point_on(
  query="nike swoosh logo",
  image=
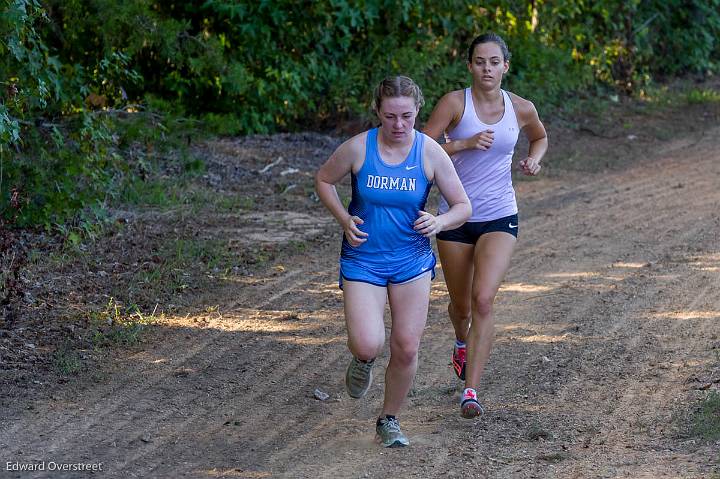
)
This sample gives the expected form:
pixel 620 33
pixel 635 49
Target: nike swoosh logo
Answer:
pixel 411 167
pixel 512 225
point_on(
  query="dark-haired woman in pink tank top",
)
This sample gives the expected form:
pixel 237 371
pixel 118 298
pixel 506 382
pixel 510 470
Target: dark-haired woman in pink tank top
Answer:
pixel 481 125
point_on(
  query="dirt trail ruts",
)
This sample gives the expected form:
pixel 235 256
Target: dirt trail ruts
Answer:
pixel 606 320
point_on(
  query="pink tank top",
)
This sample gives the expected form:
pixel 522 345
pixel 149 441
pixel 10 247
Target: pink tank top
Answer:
pixel 486 175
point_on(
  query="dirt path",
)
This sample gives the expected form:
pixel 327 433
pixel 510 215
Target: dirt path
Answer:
pixel 607 326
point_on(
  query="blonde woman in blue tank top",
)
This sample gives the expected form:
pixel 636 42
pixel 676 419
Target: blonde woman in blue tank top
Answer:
pixel 481 125
pixel 386 252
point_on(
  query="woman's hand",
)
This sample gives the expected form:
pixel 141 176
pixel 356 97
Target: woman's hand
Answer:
pixel 530 166
pixel 481 141
pixel 427 224
pixel 352 233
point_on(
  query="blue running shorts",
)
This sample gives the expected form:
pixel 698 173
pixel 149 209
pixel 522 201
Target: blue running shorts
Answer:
pixel 382 271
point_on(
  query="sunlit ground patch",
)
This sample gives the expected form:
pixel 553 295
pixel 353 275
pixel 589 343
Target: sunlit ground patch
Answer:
pixel 622 264
pixel 527 288
pixel 281 226
pixel 685 315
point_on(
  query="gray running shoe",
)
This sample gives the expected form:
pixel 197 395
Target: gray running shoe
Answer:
pixel 388 428
pixel 358 377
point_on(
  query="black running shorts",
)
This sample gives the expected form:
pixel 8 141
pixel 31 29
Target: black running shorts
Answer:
pixel 471 231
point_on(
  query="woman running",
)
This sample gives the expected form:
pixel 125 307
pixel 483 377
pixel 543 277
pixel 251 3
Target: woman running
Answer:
pixel 386 250
pixel 481 125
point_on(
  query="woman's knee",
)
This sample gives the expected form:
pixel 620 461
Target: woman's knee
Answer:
pixel 405 351
pixel 482 303
pixel 365 348
pixel 459 311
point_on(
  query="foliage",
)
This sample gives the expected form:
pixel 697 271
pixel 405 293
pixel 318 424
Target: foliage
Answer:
pixel 54 151
pixel 72 71
pixel 706 422
pixel 678 36
pixel 66 361
pixel 629 42
pixel 118 325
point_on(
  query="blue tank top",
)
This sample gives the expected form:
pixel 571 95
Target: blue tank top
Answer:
pixel 388 198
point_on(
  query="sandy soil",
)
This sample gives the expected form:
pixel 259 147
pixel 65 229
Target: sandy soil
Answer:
pixel 607 336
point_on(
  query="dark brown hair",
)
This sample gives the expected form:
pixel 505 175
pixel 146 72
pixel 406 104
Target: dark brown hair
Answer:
pixel 489 37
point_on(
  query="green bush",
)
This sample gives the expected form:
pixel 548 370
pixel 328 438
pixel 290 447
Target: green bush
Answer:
pixel 70 69
pixel 54 151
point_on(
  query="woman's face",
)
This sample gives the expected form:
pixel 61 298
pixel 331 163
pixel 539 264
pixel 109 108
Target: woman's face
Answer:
pixel 397 118
pixel 488 65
